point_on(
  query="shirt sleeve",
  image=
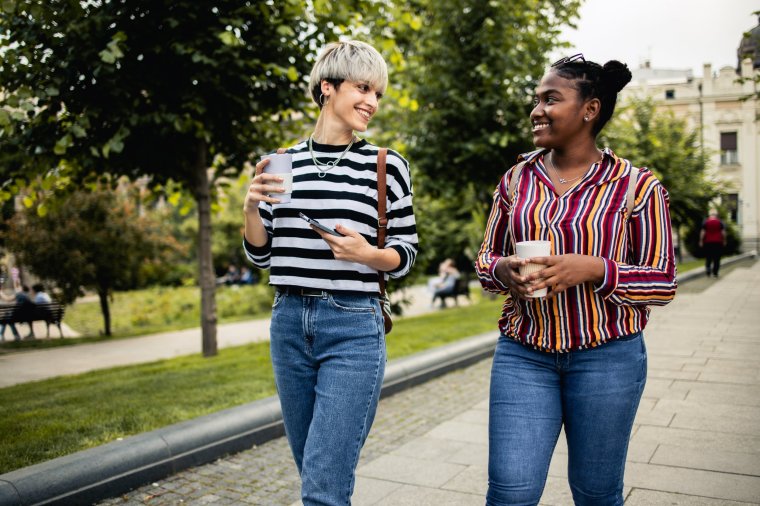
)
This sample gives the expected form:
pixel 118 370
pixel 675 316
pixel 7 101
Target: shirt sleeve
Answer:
pixel 260 256
pixel 402 227
pixel 496 240
pixel 650 277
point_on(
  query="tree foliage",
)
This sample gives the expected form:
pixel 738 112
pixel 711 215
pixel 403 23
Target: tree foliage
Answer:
pixel 90 240
pixel 666 144
pixel 466 71
pixel 166 88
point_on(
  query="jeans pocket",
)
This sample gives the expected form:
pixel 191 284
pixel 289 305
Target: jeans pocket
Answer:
pixel 278 298
pixel 352 303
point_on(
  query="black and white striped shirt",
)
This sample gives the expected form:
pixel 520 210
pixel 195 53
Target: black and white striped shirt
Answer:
pixel 347 194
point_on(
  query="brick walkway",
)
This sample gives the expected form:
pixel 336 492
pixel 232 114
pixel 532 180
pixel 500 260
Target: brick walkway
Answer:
pixel 696 437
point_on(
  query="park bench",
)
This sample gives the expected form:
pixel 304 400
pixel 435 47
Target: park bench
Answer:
pixel 461 287
pixel 51 312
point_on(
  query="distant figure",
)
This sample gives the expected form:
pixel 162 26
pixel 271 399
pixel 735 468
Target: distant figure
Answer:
pixel 444 284
pixel 39 295
pixel 24 304
pixel 712 238
pixel 247 276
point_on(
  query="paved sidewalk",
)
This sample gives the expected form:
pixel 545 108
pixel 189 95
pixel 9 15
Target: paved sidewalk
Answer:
pixel 36 365
pixel 696 438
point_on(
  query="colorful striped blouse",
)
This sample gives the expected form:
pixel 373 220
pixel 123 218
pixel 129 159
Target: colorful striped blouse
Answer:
pixel 589 219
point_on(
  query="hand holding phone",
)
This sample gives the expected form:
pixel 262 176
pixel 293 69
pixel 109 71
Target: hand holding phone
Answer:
pixel 320 226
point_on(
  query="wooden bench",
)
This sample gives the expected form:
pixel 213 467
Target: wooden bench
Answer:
pixel 461 287
pixel 51 312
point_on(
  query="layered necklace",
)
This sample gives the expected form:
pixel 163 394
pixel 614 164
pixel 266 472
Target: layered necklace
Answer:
pixel 323 167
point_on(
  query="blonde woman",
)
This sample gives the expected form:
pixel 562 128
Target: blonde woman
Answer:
pixel 327 334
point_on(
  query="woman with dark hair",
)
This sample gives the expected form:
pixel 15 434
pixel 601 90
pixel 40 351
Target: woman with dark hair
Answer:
pixel 327 331
pixel 575 358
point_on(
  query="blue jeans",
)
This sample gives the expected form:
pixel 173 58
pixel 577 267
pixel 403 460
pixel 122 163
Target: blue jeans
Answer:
pixel 328 354
pixel 595 393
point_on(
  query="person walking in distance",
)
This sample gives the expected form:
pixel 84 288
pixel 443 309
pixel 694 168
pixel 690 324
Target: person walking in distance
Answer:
pixel 712 238
pixel 327 330
pixel 575 358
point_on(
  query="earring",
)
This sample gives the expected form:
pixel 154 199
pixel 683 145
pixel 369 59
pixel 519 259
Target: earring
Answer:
pixel 322 100
pixel 585 118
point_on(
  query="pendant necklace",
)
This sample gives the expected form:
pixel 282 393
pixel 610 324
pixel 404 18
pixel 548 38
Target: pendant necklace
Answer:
pixel 562 180
pixel 323 167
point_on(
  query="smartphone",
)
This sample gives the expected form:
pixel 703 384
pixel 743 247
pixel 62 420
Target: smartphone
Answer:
pixel 319 225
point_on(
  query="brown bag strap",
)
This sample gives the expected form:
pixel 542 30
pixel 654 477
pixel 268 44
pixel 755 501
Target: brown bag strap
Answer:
pixel 382 221
pixel 515 178
pixel 631 195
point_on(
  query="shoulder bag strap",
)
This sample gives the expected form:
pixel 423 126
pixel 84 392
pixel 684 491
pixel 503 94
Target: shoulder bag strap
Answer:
pixel 631 196
pixel 515 177
pixel 382 221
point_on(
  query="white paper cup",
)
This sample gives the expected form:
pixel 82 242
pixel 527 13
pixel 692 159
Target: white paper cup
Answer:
pixel 530 249
pixel 282 165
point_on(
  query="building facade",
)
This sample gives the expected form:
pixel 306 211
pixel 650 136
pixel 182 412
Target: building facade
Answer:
pixel 724 107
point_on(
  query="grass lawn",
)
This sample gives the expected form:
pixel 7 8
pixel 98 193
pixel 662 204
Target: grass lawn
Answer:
pixel 46 419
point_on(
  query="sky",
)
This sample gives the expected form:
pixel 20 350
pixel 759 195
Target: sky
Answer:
pixel 671 34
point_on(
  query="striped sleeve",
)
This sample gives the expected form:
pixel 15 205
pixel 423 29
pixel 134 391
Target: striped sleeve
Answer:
pixel 649 278
pixel 260 256
pixel 496 243
pixel 402 228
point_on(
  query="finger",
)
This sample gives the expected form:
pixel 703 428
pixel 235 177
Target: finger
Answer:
pixel 260 166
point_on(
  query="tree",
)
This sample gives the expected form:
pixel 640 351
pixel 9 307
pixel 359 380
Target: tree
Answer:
pixel 166 88
pixel 665 144
pixel 464 89
pixel 88 240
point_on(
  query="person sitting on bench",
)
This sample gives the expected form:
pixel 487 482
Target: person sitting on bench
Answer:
pixel 445 283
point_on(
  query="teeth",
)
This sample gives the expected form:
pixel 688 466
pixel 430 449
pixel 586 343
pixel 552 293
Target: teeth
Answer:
pixel 364 114
pixel 540 126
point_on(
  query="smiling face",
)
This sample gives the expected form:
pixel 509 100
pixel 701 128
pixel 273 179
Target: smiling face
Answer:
pixel 558 113
pixel 352 104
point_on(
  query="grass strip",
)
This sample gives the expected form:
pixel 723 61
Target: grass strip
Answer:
pixel 50 418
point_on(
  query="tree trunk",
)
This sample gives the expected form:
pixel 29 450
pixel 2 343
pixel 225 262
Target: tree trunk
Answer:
pixel 105 309
pixel 206 276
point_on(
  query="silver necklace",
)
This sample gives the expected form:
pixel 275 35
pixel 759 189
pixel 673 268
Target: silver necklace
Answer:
pixel 323 167
pixel 562 180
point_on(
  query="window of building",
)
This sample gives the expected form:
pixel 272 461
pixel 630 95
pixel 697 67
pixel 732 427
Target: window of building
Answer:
pixel 729 155
pixel 670 94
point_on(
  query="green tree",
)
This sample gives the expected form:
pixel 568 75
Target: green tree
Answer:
pixel 665 144
pixel 465 85
pixel 91 240
pixel 166 88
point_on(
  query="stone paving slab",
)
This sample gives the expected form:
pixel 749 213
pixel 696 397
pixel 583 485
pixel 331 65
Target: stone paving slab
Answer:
pixel 696 438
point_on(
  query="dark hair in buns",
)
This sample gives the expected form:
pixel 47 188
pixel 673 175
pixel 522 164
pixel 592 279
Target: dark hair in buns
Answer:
pixel 596 81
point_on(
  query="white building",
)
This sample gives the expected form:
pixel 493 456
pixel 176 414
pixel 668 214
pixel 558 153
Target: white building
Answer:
pixel 726 112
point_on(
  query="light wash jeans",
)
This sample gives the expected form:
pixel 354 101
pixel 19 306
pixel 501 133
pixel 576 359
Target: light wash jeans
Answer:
pixel 595 393
pixel 328 354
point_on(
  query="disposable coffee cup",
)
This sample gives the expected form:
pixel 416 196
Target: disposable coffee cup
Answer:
pixel 282 165
pixel 531 249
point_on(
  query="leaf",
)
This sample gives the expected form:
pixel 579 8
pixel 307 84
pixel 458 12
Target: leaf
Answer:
pixel 42 210
pixel 9 6
pixel 62 145
pixel 285 31
pixel 5 118
pixel 292 74
pixel 229 39
pixel 28 201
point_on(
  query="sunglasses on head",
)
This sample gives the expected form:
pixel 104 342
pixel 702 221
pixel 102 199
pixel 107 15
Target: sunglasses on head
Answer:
pixel 568 59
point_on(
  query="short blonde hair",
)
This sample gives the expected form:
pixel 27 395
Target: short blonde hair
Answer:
pixel 348 61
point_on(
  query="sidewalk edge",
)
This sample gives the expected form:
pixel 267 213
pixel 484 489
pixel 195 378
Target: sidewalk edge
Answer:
pixel 113 468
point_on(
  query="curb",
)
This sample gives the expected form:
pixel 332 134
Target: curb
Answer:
pixel 700 273
pixel 113 468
